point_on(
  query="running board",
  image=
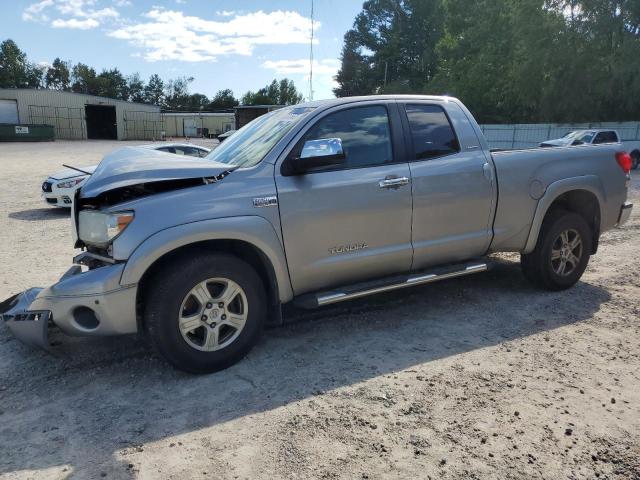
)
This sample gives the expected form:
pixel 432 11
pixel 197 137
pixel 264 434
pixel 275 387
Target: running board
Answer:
pixel 314 300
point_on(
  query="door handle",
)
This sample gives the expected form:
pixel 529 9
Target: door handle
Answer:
pixel 394 182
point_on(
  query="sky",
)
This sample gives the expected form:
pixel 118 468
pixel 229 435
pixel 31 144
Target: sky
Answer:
pixel 238 44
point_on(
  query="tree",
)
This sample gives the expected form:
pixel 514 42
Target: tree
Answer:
pixel 84 79
pixel 112 84
pixel 58 76
pixel 176 93
pixel 223 100
pixel 135 88
pixel 196 102
pixel 354 77
pixel 15 70
pixel 283 92
pixel 391 47
pixel 509 61
pixel 154 91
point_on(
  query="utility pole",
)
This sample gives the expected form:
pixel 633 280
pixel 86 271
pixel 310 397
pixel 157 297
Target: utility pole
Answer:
pixel 386 64
pixel 311 58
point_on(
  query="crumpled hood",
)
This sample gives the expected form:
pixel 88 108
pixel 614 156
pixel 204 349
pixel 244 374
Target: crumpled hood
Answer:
pixel 70 173
pixel 134 165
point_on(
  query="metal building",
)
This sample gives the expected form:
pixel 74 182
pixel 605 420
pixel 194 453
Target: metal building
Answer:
pixel 77 116
pixel 197 124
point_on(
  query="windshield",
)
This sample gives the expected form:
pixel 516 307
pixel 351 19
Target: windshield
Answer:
pixel 249 145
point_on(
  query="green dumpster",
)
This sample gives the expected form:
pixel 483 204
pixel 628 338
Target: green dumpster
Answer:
pixel 10 132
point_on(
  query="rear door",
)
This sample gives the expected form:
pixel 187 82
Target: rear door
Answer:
pixel 351 222
pixel 453 184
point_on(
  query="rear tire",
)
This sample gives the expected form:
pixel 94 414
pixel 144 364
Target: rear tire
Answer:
pixel 204 311
pixel 562 252
pixel 635 160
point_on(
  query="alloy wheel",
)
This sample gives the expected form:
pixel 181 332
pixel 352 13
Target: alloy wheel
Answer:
pixel 566 252
pixel 212 314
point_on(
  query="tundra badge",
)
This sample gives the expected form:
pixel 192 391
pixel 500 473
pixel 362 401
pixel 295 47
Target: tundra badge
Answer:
pixel 347 248
pixel 260 202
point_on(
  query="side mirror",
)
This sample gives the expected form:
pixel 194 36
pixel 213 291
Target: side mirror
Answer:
pixel 326 152
pixel 578 142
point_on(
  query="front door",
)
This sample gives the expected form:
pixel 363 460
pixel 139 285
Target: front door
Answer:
pixel 454 188
pixel 351 222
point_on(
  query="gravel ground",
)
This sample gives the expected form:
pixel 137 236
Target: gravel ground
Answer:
pixel 482 377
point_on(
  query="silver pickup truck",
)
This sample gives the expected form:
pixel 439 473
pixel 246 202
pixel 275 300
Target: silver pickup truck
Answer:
pixel 315 203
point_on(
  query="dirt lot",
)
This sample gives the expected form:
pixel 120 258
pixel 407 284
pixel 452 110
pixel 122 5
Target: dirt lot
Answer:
pixel 482 377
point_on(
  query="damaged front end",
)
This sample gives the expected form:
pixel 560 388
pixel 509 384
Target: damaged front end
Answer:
pixel 28 326
pixel 89 299
pixel 28 316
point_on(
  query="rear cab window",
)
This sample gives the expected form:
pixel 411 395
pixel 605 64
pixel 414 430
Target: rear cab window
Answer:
pixel 432 134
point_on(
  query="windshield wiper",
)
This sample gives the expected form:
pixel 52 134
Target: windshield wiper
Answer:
pixel 76 169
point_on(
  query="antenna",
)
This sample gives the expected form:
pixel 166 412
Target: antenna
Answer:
pixel 311 58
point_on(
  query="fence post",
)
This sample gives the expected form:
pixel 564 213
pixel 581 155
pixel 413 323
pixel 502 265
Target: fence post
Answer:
pixel 513 137
pixel 637 131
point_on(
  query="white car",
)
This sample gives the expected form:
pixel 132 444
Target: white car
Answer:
pixel 58 190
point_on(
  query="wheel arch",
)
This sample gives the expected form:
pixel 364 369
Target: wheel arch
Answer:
pixel 582 195
pixel 253 239
pixel 241 249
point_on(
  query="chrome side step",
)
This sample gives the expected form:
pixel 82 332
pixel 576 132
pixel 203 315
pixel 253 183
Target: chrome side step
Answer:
pixel 350 293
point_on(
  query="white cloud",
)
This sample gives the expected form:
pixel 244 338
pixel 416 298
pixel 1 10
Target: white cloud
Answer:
pixel 74 23
pixel 78 14
pixel 225 13
pixel 172 35
pixel 35 10
pixel 328 66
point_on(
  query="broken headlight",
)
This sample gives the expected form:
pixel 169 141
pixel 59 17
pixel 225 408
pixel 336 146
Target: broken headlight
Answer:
pixel 100 228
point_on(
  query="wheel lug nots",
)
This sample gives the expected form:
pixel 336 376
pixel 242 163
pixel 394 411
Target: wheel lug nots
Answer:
pixel 223 317
pixel 203 318
pixel 221 305
pixel 209 305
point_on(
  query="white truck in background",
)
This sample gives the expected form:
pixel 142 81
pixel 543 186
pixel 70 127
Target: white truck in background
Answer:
pixel 597 137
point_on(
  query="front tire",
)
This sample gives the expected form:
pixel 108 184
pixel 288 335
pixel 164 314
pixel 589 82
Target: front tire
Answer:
pixel 562 252
pixel 204 311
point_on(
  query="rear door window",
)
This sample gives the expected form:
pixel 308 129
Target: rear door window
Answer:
pixel 431 132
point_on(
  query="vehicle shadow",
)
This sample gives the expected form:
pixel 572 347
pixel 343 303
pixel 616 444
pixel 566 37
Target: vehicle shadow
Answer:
pixel 105 397
pixel 38 214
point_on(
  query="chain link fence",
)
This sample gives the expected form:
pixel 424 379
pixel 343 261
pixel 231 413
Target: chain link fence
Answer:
pixel 68 122
pixel 142 125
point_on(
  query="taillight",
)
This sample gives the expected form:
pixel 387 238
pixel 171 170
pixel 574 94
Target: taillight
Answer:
pixel 624 160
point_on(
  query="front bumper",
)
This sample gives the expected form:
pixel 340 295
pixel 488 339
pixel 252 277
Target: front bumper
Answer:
pixel 625 213
pixel 91 303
